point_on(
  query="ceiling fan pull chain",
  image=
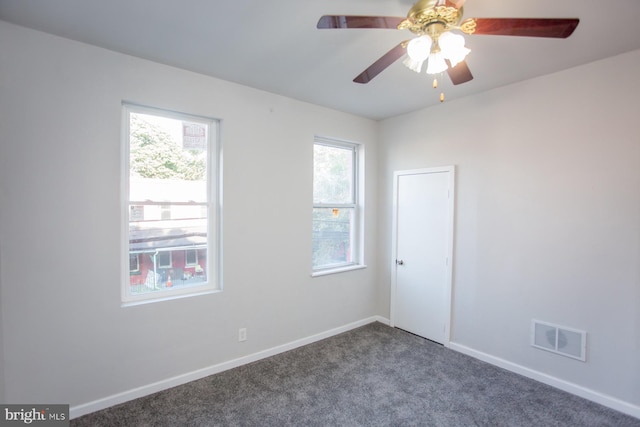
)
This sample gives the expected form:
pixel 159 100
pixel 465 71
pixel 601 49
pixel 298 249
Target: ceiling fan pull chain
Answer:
pixel 435 86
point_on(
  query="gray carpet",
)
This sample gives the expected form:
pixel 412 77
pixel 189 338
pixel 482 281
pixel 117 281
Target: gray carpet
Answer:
pixel 371 376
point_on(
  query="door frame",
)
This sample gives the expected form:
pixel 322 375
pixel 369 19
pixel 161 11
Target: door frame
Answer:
pixel 449 240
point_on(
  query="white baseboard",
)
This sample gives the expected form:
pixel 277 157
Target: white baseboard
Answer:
pixel 96 405
pixel 594 396
pixel 125 396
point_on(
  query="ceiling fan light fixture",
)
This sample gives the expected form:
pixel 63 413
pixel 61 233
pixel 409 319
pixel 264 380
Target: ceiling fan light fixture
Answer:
pixel 436 49
pixel 419 48
pixel 452 47
pixel 436 64
pixel 458 56
pixel 413 65
pixel 417 52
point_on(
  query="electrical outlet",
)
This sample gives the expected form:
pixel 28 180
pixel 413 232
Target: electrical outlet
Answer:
pixel 242 334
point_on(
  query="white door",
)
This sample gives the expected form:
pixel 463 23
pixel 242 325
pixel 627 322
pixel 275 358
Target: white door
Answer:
pixel 423 225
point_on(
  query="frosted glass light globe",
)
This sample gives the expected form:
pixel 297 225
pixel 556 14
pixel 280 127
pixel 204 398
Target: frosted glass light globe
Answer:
pixel 418 49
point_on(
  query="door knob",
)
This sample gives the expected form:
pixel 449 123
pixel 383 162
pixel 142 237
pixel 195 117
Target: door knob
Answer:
pixel 399 262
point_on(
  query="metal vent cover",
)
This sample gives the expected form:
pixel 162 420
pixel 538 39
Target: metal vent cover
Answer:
pixel 559 339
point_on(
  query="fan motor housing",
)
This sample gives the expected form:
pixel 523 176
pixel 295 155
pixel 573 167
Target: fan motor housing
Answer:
pixel 426 13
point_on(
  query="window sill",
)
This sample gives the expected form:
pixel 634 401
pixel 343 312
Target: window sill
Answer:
pixel 133 303
pixel 338 270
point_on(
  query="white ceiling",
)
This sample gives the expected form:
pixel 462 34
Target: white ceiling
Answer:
pixel 274 45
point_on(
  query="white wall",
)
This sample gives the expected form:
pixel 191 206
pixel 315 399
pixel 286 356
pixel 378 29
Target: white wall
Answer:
pixel 548 216
pixel 66 337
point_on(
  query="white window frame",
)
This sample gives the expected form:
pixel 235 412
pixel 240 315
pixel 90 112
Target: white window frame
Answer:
pixel 213 281
pixel 357 234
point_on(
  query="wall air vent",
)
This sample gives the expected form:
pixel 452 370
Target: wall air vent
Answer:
pixel 559 339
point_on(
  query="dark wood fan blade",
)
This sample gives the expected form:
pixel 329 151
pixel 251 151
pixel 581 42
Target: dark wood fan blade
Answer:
pixel 454 3
pixel 381 64
pixel 528 27
pixel 460 73
pixel 342 21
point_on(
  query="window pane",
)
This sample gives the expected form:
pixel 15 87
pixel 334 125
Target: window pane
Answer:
pixel 164 259
pixel 134 265
pixel 191 257
pixel 332 231
pixel 333 174
pixel 165 212
pixel 168 202
pixel 163 164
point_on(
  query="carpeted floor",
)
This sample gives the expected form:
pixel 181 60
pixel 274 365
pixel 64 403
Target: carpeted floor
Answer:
pixel 371 376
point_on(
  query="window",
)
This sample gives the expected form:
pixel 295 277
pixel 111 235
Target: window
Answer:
pixel 191 257
pixel 164 259
pixel 134 263
pixel 336 212
pixel 165 212
pixel 170 186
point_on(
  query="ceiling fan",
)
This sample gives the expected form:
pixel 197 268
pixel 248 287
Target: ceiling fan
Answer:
pixel 432 21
